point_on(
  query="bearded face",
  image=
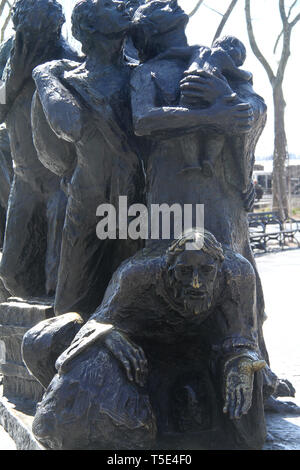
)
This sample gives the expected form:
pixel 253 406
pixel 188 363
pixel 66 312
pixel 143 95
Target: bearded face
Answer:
pixel 192 278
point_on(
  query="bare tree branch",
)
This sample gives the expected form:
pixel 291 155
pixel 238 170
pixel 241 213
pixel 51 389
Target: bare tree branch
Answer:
pixel 286 47
pixel 5 24
pixel 282 11
pixel 257 52
pixel 291 8
pixel 277 41
pixel 285 54
pixel 196 8
pixel 295 20
pixel 225 18
pixel 5 20
pixel 212 9
pixel 287 27
pixel 2 6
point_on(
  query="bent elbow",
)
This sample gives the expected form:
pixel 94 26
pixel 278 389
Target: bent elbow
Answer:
pixel 142 126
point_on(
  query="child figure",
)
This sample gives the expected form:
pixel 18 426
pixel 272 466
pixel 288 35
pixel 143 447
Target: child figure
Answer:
pixel 223 60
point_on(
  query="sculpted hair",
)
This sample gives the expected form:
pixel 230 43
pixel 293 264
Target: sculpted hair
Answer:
pixel 210 245
pixel 49 12
pixel 232 41
pixel 83 23
pixel 144 15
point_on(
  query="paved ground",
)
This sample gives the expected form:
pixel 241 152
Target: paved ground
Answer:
pixel 6 443
pixel 280 273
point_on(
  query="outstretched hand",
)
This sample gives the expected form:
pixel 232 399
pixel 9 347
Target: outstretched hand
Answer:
pixel 131 356
pixel 239 386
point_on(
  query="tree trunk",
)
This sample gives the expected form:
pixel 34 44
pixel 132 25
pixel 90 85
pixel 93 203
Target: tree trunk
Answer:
pixel 280 199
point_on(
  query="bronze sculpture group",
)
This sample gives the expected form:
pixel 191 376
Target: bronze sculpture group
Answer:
pixel 165 345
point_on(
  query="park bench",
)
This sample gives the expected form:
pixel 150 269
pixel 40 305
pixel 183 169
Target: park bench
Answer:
pixel 267 227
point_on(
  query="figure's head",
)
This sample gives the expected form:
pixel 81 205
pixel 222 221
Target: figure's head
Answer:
pixel 156 18
pixel 192 274
pixel 94 18
pixel 234 48
pixel 38 20
pixel 133 5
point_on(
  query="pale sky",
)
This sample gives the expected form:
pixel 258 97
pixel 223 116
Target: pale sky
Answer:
pixel 267 24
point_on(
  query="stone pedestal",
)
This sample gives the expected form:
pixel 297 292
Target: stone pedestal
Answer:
pixel 4 294
pixel 17 424
pixel 16 317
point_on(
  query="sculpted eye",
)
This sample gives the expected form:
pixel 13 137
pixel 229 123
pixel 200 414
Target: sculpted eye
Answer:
pixel 207 269
pixel 185 269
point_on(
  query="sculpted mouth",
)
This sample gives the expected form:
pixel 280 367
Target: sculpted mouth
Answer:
pixel 197 294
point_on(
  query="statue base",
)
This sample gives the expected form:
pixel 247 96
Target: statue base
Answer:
pixel 17 423
pixel 19 392
pixel 17 316
pixel 4 294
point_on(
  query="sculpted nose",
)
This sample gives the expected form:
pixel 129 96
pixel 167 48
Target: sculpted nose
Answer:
pixel 196 282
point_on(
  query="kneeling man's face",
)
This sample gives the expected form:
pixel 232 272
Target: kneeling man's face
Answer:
pixel 193 276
